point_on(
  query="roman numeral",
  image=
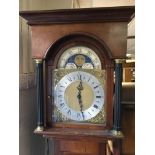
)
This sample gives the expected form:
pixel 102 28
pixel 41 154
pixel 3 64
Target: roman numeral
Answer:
pixel 69 79
pixel 79 50
pixel 69 112
pixel 78 115
pixel 96 87
pixel 62 105
pixel 84 78
pixel 62 86
pixel 70 52
pixel 95 106
pixel 59 95
pixel 92 109
pixel 98 96
pixel 89 113
pixel 79 76
pixel 89 53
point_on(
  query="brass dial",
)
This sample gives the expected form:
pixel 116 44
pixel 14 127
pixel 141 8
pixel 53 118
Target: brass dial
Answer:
pixel 79 96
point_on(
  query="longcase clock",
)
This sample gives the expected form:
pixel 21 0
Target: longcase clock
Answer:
pixel 77 53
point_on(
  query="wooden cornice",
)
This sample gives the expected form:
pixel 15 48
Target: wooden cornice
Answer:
pixel 86 15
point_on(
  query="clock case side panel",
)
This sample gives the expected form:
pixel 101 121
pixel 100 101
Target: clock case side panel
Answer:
pixel 51 62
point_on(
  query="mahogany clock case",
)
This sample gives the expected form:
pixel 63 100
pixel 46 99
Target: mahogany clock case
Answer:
pixel 104 30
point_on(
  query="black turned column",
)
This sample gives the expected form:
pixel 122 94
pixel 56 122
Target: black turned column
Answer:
pixel 40 98
pixel 117 143
pixel 118 96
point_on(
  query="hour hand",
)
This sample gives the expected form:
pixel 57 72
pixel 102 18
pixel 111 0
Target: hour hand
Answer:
pixel 79 96
pixel 80 87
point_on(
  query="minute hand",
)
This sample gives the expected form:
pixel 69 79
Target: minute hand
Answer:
pixel 80 88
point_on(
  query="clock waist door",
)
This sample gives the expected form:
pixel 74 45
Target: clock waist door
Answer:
pixel 67 147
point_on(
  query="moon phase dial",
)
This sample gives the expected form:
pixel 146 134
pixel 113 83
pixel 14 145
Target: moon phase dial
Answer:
pixel 79 57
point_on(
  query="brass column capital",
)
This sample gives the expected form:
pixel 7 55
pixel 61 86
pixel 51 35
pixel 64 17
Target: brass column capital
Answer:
pixel 118 61
pixel 38 61
pixel 117 133
pixel 39 129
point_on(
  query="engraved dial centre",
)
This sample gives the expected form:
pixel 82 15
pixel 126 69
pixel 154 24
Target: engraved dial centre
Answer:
pixel 71 93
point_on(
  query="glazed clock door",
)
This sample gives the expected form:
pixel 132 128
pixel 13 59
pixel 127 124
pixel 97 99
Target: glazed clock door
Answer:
pixel 79 98
pixel 78 148
pixel 79 87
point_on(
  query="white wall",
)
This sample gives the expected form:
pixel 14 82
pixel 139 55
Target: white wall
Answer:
pixel 102 3
pixel 44 4
pixel 108 3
